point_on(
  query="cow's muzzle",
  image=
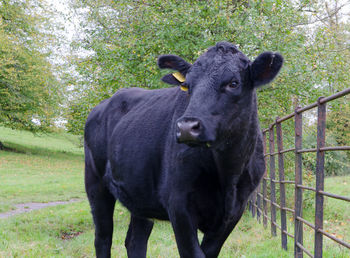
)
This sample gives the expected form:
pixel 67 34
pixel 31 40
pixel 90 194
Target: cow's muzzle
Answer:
pixel 188 130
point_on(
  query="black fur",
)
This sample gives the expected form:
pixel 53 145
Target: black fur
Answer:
pixel 265 67
pixel 173 62
pixel 132 155
pixel 170 79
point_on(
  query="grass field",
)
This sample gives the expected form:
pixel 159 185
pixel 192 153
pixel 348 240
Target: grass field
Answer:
pixel 50 168
pixel 39 168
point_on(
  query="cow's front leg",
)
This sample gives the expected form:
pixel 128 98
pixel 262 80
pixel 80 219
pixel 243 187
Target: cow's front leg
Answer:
pixel 185 229
pixel 213 241
pixel 137 237
pixel 236 200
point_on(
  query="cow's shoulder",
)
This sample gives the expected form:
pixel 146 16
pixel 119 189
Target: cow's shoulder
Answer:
pixel 130 95
pixel 117 105
pixel 125 100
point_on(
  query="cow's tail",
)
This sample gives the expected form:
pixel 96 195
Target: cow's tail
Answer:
pixel 110 183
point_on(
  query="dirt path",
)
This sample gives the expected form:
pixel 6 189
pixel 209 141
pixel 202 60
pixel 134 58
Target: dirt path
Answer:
pixel 30 206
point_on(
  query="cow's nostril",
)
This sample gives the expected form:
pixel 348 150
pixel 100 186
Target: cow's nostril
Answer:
pixel 195 128
pixel 196 125
pixel 188 130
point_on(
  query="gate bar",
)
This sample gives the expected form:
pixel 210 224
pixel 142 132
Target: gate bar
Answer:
pixel 323 100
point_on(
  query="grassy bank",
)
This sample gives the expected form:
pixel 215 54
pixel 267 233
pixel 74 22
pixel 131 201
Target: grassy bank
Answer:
pixel 50 168
pixel 39 168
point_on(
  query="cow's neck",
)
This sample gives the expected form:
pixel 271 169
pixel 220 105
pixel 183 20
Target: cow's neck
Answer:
pixel 231 163
pixel 233 153
pixel 239 140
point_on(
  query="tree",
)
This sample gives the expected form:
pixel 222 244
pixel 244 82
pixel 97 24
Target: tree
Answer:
pixel 127 36
pixel 29 92
pixel 338 123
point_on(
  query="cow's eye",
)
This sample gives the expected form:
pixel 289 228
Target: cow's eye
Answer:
pixel 233 85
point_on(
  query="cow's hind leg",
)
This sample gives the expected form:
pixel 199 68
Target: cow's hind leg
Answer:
pixel 102 208
pixel 137 237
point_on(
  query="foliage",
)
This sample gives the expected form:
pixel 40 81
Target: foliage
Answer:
pixel 336 162
pixel 28 88
pixel 338 122
pixel 127 36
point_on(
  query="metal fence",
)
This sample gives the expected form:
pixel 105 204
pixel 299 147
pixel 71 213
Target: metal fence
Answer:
pixel 259 200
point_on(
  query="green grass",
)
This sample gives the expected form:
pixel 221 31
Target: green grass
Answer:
pixel 50 168
pixel 47 232
pixel 42 144
pixel 39 168
pixel 43 234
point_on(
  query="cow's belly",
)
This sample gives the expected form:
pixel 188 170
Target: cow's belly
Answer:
pixel 136 170
pixel 140 203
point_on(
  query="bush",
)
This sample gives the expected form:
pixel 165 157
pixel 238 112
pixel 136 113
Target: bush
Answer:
pixel 336 162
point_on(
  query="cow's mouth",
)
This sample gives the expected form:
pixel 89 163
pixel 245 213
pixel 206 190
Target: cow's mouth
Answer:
pixel 191 143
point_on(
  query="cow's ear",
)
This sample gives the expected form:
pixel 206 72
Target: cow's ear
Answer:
pixel 170 79
pixel 173 62
pixel 265 68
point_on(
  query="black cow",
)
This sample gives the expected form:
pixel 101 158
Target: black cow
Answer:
pixel 191 154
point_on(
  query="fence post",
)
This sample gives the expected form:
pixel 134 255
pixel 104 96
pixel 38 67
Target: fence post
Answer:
pixel 282 186
pixel 250 205
pixel 253 200
pixel 298 204
pixel 321 134
pixel 258 203
pixel 272 178
pixel 264 184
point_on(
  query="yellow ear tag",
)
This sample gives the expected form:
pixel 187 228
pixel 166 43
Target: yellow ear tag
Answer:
pixel 183 88
pixel 179 77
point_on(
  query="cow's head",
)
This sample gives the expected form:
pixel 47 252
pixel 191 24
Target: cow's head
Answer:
pixel 220 86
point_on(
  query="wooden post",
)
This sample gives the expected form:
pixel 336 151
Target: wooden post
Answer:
pixel 272 178
pixel 298 204
pixel 264 186
pixel 253 201
pixel 258 203
pixel 282 186
pixel 321 135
